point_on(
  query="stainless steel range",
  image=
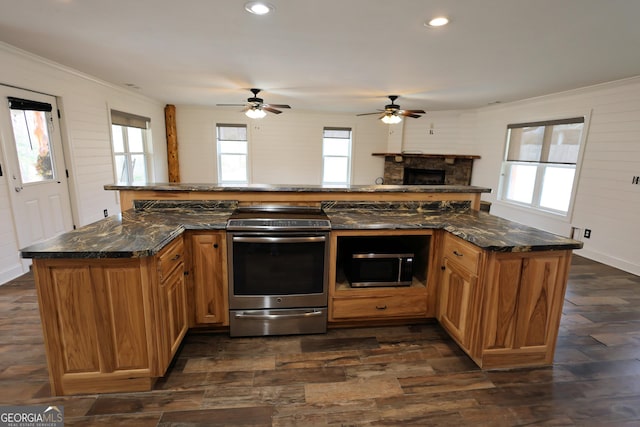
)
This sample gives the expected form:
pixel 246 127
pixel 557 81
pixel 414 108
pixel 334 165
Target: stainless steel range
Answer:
pixel 278 270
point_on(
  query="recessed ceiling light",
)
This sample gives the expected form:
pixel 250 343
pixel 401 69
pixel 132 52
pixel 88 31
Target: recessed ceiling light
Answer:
pixel 439 21
pixel 258 7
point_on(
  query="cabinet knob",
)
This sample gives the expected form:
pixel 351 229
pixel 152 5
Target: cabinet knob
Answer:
pixel 215 245
pixel 443 268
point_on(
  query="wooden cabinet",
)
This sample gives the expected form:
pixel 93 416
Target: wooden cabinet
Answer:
pixel 458 291
pixel 208 276
pixel 172 313
pixel 379 303
pixel 110 325
pixel 459 294
pixel 523 307
pixel 503 309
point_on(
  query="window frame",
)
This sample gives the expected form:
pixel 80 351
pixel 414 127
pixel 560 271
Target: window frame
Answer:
pixel 541 167
pixel 348 157
pixel 125 121
pixel 219 153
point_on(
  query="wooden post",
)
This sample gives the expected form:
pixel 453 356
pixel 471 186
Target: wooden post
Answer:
pixel 172 142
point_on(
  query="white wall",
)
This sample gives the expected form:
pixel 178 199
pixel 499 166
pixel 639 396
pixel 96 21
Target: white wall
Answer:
pixel 606 201
pixel 85 103
pixel 441 132
pixel 284 149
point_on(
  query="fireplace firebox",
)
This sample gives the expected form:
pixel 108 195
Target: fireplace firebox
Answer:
pixel 414 176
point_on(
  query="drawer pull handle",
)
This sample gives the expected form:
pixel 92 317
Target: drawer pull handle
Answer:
pixel 175 257
pixel 381 307
pixel 456 253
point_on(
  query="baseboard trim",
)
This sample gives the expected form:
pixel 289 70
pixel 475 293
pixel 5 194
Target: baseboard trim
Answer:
pixel 12 273
pixel 611 261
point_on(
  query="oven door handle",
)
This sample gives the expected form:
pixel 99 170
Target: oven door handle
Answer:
pixel 278 316
pixel 269 239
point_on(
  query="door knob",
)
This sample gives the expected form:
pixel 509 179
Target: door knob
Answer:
pixel 18 189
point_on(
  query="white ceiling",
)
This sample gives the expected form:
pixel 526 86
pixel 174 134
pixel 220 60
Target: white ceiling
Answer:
pixel 335 55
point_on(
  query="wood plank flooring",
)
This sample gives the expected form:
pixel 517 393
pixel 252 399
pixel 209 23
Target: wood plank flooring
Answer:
pixel 382 376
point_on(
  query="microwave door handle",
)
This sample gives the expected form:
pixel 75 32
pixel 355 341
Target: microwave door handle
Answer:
pixel 400 260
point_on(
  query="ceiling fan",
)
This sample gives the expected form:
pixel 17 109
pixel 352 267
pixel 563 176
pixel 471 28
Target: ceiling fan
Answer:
pixel 255 107
pixel 393 114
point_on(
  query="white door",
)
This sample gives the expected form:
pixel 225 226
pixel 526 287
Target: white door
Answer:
pixel 35 167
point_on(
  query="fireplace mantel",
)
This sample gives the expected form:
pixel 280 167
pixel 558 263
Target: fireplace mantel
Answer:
pixel 428 156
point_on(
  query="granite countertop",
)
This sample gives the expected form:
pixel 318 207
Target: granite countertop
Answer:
pixel 482 229
pixel 194 187
pixel 146 229
pixel 138 232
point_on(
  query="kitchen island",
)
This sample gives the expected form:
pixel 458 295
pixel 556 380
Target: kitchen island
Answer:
pixel 117 296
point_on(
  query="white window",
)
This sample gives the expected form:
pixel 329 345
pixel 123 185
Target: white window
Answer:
pixel 233 158
pixel 130 137
pixel 336 156
pixel 540 164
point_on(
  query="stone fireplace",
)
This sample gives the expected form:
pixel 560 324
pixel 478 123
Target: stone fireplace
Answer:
pixel 427 169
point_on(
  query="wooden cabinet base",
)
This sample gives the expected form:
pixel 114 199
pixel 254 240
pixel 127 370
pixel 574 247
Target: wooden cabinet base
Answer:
pixel 111 325
pixel 120 382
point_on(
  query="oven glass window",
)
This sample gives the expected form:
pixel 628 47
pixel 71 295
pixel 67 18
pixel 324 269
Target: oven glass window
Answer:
pixel 269 268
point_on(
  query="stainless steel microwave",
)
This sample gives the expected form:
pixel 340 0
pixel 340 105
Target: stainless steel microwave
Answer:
pixel 379 269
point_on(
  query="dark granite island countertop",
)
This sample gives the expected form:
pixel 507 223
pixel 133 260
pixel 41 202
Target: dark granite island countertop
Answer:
pixel 273 194
pixel 135 233
pixel 486 231
pixel 261 188
pixel 153 224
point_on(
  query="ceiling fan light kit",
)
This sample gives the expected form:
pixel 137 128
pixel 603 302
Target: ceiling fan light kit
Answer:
pixel 391 119
pixel 255 113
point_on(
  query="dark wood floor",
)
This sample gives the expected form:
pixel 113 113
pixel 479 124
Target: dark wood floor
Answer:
pixel 384 376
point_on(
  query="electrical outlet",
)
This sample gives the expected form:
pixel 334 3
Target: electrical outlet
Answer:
pixel 106 213
pixel 587 233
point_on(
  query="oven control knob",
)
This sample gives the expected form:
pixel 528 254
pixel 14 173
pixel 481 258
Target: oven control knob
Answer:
pixel 278 300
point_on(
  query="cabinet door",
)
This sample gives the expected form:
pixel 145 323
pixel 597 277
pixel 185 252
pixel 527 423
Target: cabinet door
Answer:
pixel 523 308
pixel 96 319
pixel 523 293
pixel 174 315
pixel 209 267
pixel 457 293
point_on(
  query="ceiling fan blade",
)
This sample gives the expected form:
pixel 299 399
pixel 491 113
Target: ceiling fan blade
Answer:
pixel 408 113
pixel 277 105
pixel 271 110
pixel 368 114
pixel 231 105
pixel 415 111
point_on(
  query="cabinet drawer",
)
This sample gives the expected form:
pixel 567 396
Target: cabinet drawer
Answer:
pixel 379 307
pixel 170 257
pixel 461 252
